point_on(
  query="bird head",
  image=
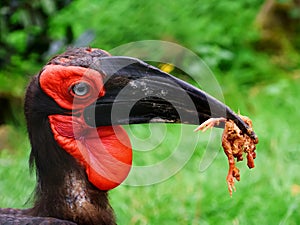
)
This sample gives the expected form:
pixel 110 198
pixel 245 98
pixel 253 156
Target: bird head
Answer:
pixel 80 99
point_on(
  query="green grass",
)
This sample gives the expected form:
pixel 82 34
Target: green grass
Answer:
pixel 266 194
pixel 16 183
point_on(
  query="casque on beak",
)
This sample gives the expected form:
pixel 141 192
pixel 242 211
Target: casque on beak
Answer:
pixel 136 93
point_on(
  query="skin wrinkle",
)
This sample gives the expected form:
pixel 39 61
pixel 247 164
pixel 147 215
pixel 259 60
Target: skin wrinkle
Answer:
pixel 106 165
pixel 56 81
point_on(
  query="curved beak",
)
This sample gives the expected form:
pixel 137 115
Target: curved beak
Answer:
pixel 136 92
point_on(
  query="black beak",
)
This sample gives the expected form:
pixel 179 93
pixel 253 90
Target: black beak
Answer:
pixel 140 93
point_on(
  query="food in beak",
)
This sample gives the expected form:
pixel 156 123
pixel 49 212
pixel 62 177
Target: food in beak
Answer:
pixel 235 143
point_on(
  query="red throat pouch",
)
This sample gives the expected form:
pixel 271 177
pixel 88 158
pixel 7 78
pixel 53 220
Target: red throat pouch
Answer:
pixel 105 152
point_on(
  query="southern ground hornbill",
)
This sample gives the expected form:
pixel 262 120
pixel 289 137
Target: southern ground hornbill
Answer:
pixel 74 108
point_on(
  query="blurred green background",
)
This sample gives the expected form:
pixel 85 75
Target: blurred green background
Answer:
pixel 251 46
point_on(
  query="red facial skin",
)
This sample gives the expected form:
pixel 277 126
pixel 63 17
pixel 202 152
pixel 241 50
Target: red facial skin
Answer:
pixel 104 152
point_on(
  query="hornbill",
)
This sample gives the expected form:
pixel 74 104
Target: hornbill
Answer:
pixel 74 110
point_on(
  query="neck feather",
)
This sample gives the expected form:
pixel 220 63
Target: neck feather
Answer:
pixel 75 199
pixel 63 190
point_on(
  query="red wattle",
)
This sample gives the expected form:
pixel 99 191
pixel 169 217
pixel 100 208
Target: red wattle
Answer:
pixel 105 152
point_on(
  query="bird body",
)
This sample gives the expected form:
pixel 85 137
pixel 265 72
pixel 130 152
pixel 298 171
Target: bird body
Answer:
pixel 10 216
pixel 78 147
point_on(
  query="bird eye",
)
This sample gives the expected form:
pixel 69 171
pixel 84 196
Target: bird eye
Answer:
pixel 81 89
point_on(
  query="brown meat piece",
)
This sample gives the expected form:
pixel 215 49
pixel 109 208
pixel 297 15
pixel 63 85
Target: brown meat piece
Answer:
pixel 235 143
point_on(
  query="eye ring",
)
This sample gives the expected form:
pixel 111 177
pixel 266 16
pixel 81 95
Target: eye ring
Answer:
pixel 81 89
